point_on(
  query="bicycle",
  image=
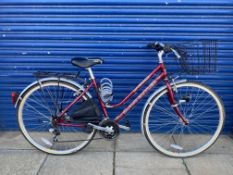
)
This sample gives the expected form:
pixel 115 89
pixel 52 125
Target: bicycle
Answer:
pixel 58 115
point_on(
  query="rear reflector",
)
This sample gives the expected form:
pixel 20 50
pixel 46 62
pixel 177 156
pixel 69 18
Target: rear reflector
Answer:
pixel 14 96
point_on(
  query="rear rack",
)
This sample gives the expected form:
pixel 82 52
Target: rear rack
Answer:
pixel 72 76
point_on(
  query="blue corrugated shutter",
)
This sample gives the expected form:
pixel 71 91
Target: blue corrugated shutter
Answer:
pixel 44 35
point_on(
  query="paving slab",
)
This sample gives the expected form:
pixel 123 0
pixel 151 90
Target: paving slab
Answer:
pixel 20 162
pixel 134 155
pixel 83 163
pixel 135 142
pixel 14 140
pixel 210 164
pixel 224 145
pixel 138 163
pixel 100 145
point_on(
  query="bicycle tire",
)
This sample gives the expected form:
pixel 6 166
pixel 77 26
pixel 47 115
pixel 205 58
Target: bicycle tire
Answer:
pixel 176 147
pixel 27 131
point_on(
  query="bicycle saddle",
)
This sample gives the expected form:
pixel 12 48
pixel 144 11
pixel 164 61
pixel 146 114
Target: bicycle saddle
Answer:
pixel 84 62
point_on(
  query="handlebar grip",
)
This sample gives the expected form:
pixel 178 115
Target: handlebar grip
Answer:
pixel 157 46
pixel 165 47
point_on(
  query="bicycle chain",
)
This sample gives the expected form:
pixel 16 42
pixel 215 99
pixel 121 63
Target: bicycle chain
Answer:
pixel 79 140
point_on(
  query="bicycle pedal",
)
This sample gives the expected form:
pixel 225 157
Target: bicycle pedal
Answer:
pixel 127 123
pixel 126 128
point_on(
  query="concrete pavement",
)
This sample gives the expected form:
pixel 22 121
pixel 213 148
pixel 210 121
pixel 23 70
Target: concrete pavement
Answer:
pixel 129 154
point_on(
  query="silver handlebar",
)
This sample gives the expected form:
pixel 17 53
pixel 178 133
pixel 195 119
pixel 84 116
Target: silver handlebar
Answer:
pixel 159 47
pixel 176 53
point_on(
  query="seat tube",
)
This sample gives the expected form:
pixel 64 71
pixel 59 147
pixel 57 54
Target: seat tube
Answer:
pixel 90 73
pixel 92 77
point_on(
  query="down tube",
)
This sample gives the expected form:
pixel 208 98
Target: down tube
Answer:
pixel 158 68
pixel 141 95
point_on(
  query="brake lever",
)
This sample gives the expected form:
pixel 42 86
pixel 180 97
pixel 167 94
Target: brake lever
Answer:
pixel 176 53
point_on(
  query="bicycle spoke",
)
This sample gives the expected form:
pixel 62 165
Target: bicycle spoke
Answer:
pixel 36 111
pixel 38 119
pixel 162 110
pixel 167 133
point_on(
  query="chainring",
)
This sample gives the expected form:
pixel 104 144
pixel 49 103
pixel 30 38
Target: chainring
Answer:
pixel 111 125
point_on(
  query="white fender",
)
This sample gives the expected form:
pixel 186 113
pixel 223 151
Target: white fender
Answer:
pixel 154 94
pixel 47 79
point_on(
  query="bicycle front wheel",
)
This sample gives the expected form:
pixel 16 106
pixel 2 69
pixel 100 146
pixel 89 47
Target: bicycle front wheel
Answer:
pixel 167 133
pixel 38 111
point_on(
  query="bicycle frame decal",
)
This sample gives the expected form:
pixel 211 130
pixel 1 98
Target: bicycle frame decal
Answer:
pixel 158 68
pixel 162 75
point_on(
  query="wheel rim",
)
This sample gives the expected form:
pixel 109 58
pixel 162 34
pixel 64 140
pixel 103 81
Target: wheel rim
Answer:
pixel 35 119
pixel 169 135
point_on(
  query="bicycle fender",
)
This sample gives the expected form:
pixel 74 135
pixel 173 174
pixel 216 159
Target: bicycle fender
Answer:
pixel 40 81
pixel 153 95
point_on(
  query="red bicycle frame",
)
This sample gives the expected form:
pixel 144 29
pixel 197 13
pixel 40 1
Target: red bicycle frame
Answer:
pixel 162 76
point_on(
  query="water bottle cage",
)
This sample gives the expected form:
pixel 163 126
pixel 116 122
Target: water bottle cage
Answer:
pixel 106 90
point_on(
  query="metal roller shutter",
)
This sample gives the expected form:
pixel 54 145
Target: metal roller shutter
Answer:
pixel 44 35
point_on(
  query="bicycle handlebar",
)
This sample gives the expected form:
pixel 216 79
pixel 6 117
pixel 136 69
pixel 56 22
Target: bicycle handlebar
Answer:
pixel 158 46
pixel 176 53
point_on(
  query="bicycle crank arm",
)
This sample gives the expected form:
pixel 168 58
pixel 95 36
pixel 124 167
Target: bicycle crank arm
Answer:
pixel 99 128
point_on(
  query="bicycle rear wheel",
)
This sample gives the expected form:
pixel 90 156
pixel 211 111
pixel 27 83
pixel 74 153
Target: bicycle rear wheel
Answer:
pixel 166 132
pixel 37 110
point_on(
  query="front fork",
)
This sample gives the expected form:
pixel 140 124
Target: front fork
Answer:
pixel 173 102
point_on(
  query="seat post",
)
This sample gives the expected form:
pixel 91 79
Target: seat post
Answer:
pixel 90 73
